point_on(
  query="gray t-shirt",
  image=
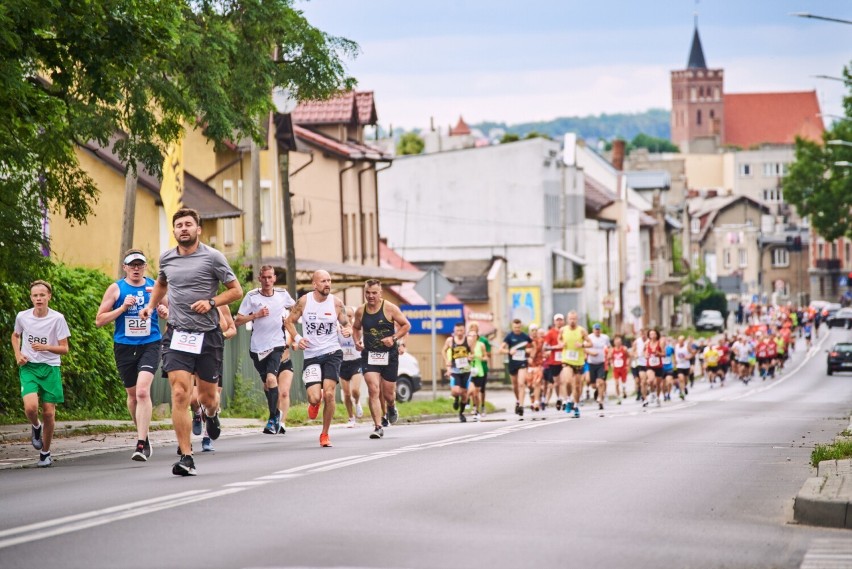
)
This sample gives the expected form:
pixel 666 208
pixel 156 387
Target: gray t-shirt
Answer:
pixel 192 278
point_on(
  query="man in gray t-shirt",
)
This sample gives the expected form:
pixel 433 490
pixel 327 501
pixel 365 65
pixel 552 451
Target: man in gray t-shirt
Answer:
pixel 193 344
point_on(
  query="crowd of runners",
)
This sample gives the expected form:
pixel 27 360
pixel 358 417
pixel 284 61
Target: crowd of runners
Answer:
pixel 564 365
pixel 569 366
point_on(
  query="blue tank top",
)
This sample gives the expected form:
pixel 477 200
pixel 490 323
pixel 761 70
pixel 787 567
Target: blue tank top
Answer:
pixel 668 364
pixel 129 328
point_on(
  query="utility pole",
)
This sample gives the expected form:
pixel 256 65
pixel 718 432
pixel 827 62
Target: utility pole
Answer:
pixel 130 181
pixel 255 213
pixel 284 173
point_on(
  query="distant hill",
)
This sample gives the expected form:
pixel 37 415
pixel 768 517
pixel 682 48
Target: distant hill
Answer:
pixel 654 122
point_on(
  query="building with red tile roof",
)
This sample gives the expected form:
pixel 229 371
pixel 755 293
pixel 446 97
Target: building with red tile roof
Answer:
pixel 461 128
pixel 752 119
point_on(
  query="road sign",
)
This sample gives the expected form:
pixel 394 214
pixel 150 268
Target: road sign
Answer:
pixel 420 317
pixel 609 302
pixel 636 311
pixel 443 287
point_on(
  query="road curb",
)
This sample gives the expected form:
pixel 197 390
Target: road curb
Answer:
pixel 826 500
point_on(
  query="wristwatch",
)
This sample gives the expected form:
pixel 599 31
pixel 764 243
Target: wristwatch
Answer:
pixel 212 302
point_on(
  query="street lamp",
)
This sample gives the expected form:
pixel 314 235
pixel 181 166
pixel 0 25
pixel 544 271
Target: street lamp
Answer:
pixel 825 18
pixel 839 143
pixel 831 77
pixel 285 103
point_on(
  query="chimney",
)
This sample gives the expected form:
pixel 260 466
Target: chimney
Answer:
pixel 618 154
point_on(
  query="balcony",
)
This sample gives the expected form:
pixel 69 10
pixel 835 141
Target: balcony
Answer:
pixel 828 264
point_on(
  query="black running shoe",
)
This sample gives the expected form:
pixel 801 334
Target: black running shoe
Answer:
pixel 462 418
pixel 139 455
pixel 214 428
pixel 393 415
pixel 559 405
pixel 377 433
pixel 147 449
pixel 196 423
pixel 518 409
pixel 521 412
pixel 184 467
pixel 385 422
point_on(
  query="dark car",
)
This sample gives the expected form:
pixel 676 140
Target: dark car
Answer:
pixel 840 319
pixel 839 358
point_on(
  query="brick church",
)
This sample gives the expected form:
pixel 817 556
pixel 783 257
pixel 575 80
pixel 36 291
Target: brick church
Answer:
pixel 705 118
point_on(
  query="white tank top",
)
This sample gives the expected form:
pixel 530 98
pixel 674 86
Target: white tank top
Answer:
pixel 319 326
pixel 348 347
pixel 641 359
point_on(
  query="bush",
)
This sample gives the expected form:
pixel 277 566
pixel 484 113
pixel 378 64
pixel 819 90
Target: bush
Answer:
pixel 89 376
pixel 713 300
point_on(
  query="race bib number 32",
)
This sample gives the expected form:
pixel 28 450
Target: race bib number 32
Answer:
pixel 189 342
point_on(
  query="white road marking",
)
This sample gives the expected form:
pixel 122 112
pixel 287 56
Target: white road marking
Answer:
pixel 828 553
pixel 247 483
pixel 95 518
pixel 315 464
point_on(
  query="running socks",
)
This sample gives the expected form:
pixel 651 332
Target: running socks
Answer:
pixel 272 401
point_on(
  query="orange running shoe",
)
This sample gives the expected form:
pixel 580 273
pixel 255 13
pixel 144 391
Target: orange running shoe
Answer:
pixel 324 442
pixel 313 411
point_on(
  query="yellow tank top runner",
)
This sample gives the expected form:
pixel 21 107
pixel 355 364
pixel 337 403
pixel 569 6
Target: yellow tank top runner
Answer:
pixel 571 353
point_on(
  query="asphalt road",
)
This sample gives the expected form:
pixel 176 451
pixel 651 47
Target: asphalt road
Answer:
pixel 704 483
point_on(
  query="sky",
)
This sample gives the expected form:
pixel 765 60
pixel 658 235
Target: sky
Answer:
pixel 529 60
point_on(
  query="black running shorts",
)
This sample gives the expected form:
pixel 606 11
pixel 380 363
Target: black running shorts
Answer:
pixel 207 365
pixel 271 364
pixel 329 364
pixel 131 359
pixel 349 368
pixel 388 372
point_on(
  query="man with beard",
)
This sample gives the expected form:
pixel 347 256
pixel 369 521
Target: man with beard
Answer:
pixel 321 314
pixel 193 344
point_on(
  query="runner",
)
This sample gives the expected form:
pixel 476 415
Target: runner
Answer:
pixel 477 372
pixel 266 308
pixel 535 371
pixel 378 326
pixel 553 363
pixel 574 341
pixel 190 274
pixel 136 342
pixel 321 315
pixel 668 368
pixel 618 357
pixel 515 344
pixel 486 358
pixel 683 355
pixel 640 368
pixel 39 340
pixel 457 361
pixel 654 351
pixel 596 358
pixel 350 375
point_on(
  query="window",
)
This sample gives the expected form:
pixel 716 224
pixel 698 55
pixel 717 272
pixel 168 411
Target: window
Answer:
pixel 717 94
pixel 727 261
pixel 848 257
pixel 820 251
pixel 698 116
pixel 743 257
pixel 834 249
pixel 266 211
pixel 773 195
pixel 780 257
pixel 228 223
pixel 695 225
pixel 745 170
pixel 774 169
pixel 693 94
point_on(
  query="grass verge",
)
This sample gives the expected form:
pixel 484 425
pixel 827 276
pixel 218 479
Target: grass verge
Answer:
pixel 838 450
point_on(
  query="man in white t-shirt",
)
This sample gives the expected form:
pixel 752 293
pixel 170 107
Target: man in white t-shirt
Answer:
pixel 40 338
pixel 266 308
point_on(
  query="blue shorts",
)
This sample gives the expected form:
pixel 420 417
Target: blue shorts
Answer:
pixel 460 380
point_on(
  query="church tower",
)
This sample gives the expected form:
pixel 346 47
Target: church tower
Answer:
pixel 697 100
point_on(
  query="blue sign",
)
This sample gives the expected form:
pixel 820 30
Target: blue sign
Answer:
pixel 420 316
pixel 844 281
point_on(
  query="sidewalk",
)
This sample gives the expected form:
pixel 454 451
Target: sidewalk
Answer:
pixel 826 499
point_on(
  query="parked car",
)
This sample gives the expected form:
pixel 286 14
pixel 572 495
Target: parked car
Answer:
pixel 841 319
pixel 839 358
pixel 408 380
pixel 710 320
pixel 830 310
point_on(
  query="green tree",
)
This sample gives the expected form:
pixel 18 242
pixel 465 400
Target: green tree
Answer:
pixel 74 71
pixel 700 293
pixel 652 143
pixel 410 143
pixel 819 182
pixel 510 137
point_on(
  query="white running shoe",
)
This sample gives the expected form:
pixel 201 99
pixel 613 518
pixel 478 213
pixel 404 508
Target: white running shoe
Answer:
pixel 351 423
pixel 359 411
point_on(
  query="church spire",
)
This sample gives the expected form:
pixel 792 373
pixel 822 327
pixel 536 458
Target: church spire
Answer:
pixel 696 53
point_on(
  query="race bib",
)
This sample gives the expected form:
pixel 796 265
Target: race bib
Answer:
pixel 653 361
pixel 462 363
pixel 137 327
pixel 263 354
pixel 378 358
pixel 348 352
pixel 557 356
pixel 667 361
pixel 520 355
pixel 312 374
pixel 189 342
pixel 618 362
pixel 572 356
